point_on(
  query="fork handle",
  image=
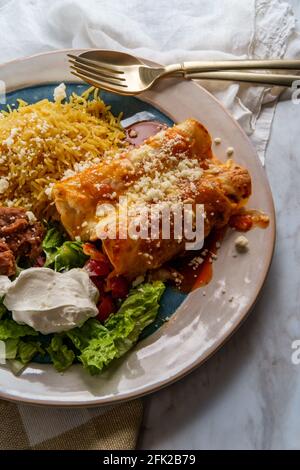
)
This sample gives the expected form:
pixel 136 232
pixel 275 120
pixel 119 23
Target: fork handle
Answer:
pixel 259 78
pixel 200 66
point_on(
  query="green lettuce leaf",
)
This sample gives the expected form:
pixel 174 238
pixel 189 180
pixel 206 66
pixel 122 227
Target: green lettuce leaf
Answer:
pixel 82 336
pixel 61 356
pixel 137 311
pixel 99 353
pixel 100 344
pixel 53 240
pixel 3 309
pixel 62 255
pixel 9 329
pixel 11 348
pixel 95 343
pixel 20 350
pixel 27 350
pixel 69 255
pixel 16 366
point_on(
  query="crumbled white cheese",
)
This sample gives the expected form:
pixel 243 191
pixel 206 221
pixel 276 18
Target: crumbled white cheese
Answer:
pixel 81 166
pixel 242 244
pixel 43 127
pixel 165 185
pixel 4 185
pixel 218 141
pixel 230 151
pixel 132 133
pixel 68 173
pixel 10 203
pixel 14 132
pixel 48 190
pixel 59 93
pixel 9 141
pixel 195 262
pixel 31 217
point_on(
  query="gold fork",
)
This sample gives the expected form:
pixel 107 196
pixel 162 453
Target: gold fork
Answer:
pixel 127 75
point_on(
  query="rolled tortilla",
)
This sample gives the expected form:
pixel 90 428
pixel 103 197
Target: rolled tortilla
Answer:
pixel 176 166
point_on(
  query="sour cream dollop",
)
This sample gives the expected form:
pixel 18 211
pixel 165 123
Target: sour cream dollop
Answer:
pixel 4 284
pixel 51 302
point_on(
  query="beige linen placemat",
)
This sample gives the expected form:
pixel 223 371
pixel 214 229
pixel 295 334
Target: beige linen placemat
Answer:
pixel 29 427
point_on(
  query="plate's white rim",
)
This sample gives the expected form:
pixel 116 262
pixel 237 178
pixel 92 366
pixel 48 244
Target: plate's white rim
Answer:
pixel 217 344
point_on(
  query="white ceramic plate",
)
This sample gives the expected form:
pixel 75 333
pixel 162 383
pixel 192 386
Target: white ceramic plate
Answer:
pixel 202 323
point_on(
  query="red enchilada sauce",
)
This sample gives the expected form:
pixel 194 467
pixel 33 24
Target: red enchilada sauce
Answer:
pixel 138 132
pixel 248 219
pixel 196 269
pixel 192 274
pixel 199 274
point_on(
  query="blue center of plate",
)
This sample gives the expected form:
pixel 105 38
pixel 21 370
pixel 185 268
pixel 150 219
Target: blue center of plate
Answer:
pixel 128 106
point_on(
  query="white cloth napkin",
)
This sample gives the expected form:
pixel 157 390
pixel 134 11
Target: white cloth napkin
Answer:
pixel 166 31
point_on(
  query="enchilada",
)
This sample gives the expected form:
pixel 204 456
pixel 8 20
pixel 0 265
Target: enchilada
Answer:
pixel 174 166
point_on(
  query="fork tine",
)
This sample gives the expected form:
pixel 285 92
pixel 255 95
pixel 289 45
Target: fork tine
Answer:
pixel 99 77
pixel 106 85
pixel 100 72
pixel 103 85
pixel 96 63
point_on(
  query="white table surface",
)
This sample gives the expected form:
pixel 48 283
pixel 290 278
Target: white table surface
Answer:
pixel 248 395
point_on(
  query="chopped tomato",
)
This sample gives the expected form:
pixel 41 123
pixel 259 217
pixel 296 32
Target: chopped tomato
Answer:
pixel 98 267
pixel 119 287
pixel 106 306
pixel 98 282
pixel 241 222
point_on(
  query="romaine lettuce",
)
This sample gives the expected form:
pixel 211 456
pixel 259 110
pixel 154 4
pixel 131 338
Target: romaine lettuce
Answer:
pixel 9 329
pixel 16 348
pixel 61 356
pixel 60 254
pixel 11 348
pixel 3 309
pixel 20 350
pixel 53 240
pixel 136 312
pixel 27 350
pixel 100 344
pixel 69 255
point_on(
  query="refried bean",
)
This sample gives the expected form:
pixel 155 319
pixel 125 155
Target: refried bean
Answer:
pixel 18 238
